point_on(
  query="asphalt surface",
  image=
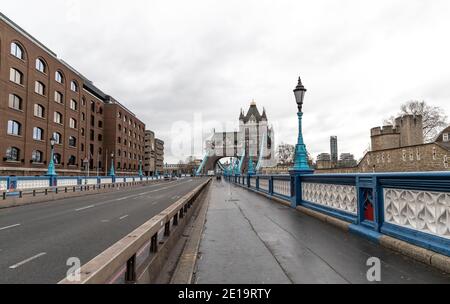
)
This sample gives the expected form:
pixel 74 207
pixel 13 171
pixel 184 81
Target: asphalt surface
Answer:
pixel 37 240
pixel 249 239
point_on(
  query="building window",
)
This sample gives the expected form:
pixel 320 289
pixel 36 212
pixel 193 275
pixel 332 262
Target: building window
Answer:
pixel 72 161
pixel 16 76
pixel 92 135
pixel 83 101
pixel 38 134
pixel 73 105
pixel 119 153
pixel 73 123
pixel 39 111
pixel 119 140
pixel 59 97
pixel 41 66
pixel 119 115
pixel 39 88
pixel 418 154
pixel 82 131
pixel 57 118
pixel 17 51
pixel 82 147
pixel 72 142
pixel 120 127
pixel 92 121
pixel 12 154
pixel 445 161
pixel 59 77
pixel 57 137
pixel 100 110
pixel 404 155
pixel 15 102
pixel 14 128
pixel 37 157
pixel 92 106
pixel 434 153
pixel 100 124
pixel 57 158
pixel 100 137
pixel 445 137
pixel 73 86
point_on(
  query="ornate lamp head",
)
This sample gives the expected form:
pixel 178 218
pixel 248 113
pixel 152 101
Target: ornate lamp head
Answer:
pixel 299 92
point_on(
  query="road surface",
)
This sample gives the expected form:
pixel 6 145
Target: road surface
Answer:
pixel 37 240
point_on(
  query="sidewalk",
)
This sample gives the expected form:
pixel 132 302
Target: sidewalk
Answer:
pixel 249 239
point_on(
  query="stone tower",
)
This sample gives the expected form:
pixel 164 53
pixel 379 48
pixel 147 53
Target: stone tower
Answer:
pixel 411 130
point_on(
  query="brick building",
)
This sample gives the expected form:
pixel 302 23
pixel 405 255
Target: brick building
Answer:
pixel 42 97
pixel 159 149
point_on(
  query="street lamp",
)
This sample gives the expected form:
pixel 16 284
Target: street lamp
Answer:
pixel 112 171
pixel 301 165
pixel 141 174
pixel 51 166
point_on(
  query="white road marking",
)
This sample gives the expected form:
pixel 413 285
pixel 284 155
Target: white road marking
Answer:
pixel 9 227
pixel 123 217
pixel 84 208
pixel 105 221
pixel 27 260
pixel 154 203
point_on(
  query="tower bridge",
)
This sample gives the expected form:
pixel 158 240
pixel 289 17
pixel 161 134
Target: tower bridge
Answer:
pixel 254 142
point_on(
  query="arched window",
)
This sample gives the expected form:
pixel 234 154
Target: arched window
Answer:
pixel 14 128
pixel 82 132
pixel 57 158
pixel 119 153
pixel 15 102
pixel 59 77
pixel 39 88
pixel 12 154
pixel 119 140
pixel 72 142
pixel 17 51
pixel 57 137
pixel 39 111
pixel 58 118
pixel 16 76
pixel 73 105
pixel 73 123
pixel 59 97
pixel 41 66
pixel 72 161
pixel 74 86
pixel 38 134
pixel 37 156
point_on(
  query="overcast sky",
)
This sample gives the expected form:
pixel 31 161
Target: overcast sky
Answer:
pixel 167 60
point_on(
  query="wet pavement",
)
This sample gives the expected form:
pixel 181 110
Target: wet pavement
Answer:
pixel 249 239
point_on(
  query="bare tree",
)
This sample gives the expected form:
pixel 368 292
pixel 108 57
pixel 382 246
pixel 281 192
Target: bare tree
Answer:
pixel 434 118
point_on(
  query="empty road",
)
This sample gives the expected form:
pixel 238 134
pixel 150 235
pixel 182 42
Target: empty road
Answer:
pixel 37 240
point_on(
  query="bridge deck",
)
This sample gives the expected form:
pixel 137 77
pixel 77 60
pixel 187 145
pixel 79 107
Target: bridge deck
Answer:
pixel 250 239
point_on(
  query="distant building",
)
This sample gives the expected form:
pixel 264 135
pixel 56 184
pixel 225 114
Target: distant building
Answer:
pixel 401 148
pixel 347 160
pixel 334 149
pixel 150 153
pixel 159 150
pixel 323 161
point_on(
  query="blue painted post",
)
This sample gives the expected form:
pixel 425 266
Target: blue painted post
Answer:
pixel 257 183
pixel 271 185
pixel 301 166
pixel 141 173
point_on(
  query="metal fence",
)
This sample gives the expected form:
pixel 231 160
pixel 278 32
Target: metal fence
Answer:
pixel 413 207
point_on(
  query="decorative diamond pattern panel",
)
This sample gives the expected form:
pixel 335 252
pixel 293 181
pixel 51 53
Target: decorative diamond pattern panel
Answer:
pixel 427 212
pixel 282 187
pixel 264 184
pixel 33 184
pixel 339 197
pixel 3 185
pixel 67 182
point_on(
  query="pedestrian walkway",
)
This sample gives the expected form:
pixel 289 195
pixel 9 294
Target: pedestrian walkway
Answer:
pixel 249 239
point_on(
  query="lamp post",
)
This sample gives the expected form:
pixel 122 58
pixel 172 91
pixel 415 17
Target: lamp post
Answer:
pixel 301 166
pixel 141 174
pixel 51 173
pixel 51 166
pixel 112 171
pixel 301 155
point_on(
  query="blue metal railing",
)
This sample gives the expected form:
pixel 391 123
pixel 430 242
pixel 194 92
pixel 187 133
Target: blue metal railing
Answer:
pixel 413 207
